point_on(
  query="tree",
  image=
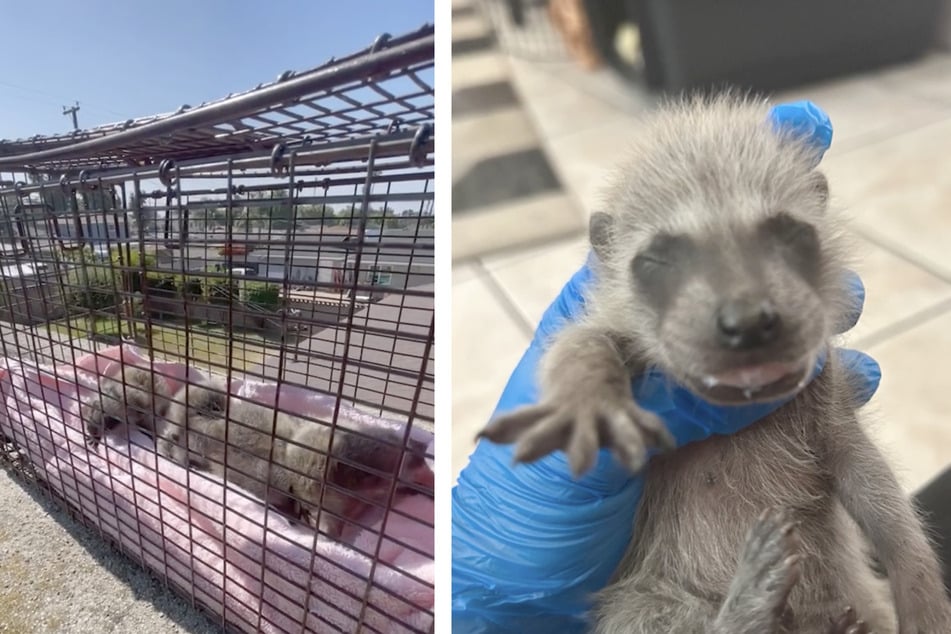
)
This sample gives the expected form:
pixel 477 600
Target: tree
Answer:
pixel 216 216
pixel 427 217
pixel 280 212
pixel 343 216
pixel 241 220
pixel 142 215
pixel 90 283
pixel 313 212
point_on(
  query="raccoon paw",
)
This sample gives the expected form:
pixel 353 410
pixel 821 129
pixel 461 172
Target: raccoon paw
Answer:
pixel 767 572
pixel 96 422
pixel 580 425
pixel 847 623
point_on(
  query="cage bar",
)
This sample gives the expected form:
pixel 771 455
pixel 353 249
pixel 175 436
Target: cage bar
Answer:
pixel 266 259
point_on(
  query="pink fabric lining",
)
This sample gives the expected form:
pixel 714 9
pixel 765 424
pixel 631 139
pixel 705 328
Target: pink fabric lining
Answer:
pixel 207 534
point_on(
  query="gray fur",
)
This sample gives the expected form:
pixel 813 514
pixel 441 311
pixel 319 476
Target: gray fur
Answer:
pixel 358 472
pixel 767 530
pixel 226 431
pixel 138 398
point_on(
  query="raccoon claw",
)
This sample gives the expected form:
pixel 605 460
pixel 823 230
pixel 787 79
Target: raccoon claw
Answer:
pixel 631 432
pixel 580 431
pixel 769 567
pixel 847 623
pixel 95 424
pixel 90 417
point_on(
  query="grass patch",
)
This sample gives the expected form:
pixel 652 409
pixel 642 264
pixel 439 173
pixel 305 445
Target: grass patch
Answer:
pixel 206 347
pixel 81 326
pixel 209 349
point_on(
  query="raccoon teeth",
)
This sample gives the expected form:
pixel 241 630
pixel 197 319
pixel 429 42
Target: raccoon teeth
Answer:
pixel 709 380
pixel 755 377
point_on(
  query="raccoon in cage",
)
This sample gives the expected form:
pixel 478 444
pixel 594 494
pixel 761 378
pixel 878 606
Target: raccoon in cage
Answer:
pixel 289 468
pixel 137 397
pixel 718 260
pixel 232 438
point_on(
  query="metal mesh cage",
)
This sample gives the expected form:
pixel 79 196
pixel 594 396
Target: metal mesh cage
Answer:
pixel 266 261
pixel 524 29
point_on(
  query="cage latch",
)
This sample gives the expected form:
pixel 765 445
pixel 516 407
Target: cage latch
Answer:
pixel 417 150
pixel 165 172
pixel 277 159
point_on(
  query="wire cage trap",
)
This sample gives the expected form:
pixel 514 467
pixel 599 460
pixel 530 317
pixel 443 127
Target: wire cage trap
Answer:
pixel 217 341
pixel 524 29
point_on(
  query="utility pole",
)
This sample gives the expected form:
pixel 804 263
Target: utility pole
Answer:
pixel 72 111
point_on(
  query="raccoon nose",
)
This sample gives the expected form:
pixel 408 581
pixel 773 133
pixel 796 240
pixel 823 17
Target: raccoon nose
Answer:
pixel 747 323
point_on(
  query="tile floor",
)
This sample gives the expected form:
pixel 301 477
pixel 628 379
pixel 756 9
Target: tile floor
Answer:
pixel 501 173
pixel 889 167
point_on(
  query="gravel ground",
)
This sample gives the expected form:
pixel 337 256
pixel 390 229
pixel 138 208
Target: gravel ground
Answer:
pixel 59 576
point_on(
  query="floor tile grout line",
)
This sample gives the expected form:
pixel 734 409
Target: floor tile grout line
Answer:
pixel 526 244
pixel 535 119
pixel 901 253
pixel 931 100
pixel 475 117
pixel 869 139
pixel 543 145
pixel 506 302
pixel 543 139
pixel 904 325
pixel 502 148
pixel 597 95
pixel 915 319
pixel 524 248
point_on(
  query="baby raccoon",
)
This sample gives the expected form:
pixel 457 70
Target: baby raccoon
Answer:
pixel 135 399
pixel 290 472
pixel 717 261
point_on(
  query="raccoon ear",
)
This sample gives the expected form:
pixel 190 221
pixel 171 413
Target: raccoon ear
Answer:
pixel 600 228
pixel 821 186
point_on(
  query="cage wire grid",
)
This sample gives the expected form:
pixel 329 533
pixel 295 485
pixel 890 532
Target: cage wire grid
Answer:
pixel 280 239
pixel 523 29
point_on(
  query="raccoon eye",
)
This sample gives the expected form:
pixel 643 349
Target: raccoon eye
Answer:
pixel 796 234
pixel 659 269
pixel 109 422
pixel 664 250
pixel 798 242
pixel 644 260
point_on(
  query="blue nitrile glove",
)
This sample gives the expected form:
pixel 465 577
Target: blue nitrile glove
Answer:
pixel 530 543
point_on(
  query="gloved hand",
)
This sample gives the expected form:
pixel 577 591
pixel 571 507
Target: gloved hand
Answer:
pixel 531 544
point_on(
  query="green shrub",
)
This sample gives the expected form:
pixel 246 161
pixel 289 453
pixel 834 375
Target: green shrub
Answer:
pixel 263 294
pixel 95 298
pixel 193 288
pixel 163 286
pixel 131 258
pixel 220 292
pixel 91 287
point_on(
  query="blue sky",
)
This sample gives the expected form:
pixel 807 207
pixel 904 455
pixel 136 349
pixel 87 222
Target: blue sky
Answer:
pixel 124 59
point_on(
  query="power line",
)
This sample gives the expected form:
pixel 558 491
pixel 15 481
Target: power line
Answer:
pixel 73 110
pixel 60 97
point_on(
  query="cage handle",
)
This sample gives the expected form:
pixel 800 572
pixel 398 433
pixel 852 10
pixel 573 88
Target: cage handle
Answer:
pixel 417 153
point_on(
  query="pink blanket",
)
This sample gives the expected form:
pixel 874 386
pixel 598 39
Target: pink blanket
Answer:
pixel 237 556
